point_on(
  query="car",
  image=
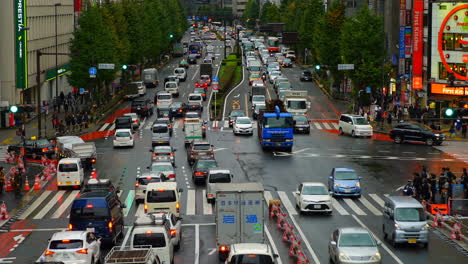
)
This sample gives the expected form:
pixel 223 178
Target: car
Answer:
pixel 256 110
pixel 258 83
pixel 235 114
pixel 273 75
pixel 287 63
pixel 195 106
pixel 354 125
pixel 181 73
pixel 208 60
pixel 192 59
pixel 192 115
pixel 72 247
pixel 254 76
pixel 206 78
pixel 164 112
pixel 291 55
pixel 280 59
pixel 313 197
pixel 142 180
pixel 175 225
pixel 160 134
pixel 416 132
pixel 163 167
pixel 172 88
pixel 200 169
pixel 306 76
pixel 344 182
pixel 258 99
pixel 184 64
pixel 135 120
pixel 34 148
pixel 216 175
pixel 166 121
pixel 171 78
pixel 142 107
pixel 242 125
pixel 177 109
pixel 279 80
pixel 354 245
pixel 163 153
pixel 163 98
pixel 195 98
pixel 123 138
pixel 201 91
pixel 301 124
pixel 202 83
pixel 283 86
pixel 197 149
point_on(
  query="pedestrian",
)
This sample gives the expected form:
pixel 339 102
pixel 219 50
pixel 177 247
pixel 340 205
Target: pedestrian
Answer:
pixel 54 120
pixel 389 118
pixel 425 190
pixel 408 190
pixel 424 173
pixel 86 119
pixel 463 129
pixel 417 183
pixel 2 178
pixel 434 187
pixel 452 131
pixel 79 120
pixel 65 105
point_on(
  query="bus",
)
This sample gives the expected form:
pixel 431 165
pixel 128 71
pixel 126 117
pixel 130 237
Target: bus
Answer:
pixel 195 48
pixel 273 44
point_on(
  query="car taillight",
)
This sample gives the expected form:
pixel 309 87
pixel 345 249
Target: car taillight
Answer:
pixel 110 225
pixel 82 251
pixel 203 94
pixel 223 248
pixel 199 173
pixel 137 184
pixel 93 160
pixel 180 110
pixel 169 125
pixel 146 208
pixel 210 196
pixel 49 253
pixel 177 206
pixel 391 130
pixel 173 232
pixel 131 137
pixel 136 121
pixel 155 154
pixel 44 149
pixel 70 227
pixel 171 176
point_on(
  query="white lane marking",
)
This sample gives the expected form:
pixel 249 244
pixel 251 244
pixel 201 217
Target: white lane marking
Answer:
pixel 377 199
pixel 378 240
pixel 354 206
pixel 104 127
pixel 317 125
pixel 65 204
pixel 197 244
pixel 112 127
pixel 127 236
pixel 273 245
pixel 207 209
pixel 176 124
pixel 7 260
pixel 49 205
pixel 335 125
pixel 195 74
pixel 190 202
pixel 233 89
pixel 338 207
pixel 326 125
pixel 383 151
pixel 226 124
pixel 369 206
pixel 267 195
pixel 36 203
pixel 285 201
pixel 148 126
pixel 142 124
pixel 246 105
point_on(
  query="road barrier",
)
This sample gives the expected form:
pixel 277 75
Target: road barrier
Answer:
pixel 456 232
pixel 4 212
pixel 26 185
pixel 302 259
pixel 294 247
pixel 441 219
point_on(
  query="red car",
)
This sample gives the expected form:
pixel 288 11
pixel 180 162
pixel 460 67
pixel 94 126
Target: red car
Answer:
pixel 202 84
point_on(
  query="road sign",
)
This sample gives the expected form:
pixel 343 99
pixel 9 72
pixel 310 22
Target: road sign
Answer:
pixel 215 78
pixel 81 91
pixel 368 90
pixel 92 72
pixel 106 66
pixel 342 67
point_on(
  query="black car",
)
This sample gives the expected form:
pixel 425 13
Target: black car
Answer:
pixel 194 106
pixel 34 149
pixel 163 112
pixel 178 109
pixel 415 132
pixel 200 169
pixel 235 114
pixel 192 59
pixel 143 107
pixel 306 76
pixel 301 124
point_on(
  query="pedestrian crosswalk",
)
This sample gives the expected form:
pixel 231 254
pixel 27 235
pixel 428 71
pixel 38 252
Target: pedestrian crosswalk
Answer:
pixel 56 204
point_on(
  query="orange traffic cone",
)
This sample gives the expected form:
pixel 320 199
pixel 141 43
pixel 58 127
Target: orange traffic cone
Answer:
pixel 3 212
pixel 8 187
pixel 26 185
pixel 37 183
pixel 94 174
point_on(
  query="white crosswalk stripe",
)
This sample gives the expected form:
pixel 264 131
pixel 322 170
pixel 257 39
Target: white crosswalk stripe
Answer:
pixel 354 206
pixel 105 126
pixel 65 204
pixel 49 205
pixel 337 206
pixel 148 126
pixel 326 125
pixel 3 152
pixel 285 201
pixel 369 206
pixel 207 208
pixel 190 210
pixel 35 204
pixel 377 199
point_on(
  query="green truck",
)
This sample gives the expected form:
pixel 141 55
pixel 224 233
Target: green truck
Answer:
pixel 178 50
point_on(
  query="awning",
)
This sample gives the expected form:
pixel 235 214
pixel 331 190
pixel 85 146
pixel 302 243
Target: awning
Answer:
pixel 63 69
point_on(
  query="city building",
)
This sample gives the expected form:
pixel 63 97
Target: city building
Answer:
pixel 26 27
pixel 237 6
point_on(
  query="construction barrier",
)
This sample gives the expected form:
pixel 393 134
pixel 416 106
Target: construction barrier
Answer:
pixel 295 247
pixel 281 221
pixel 438 220
pixel 37 183
pixel 302 259
pixel 456 232
pixel 4 212
pixel 26 185
pixel 274 207
pixel 442 208
pixel 288 233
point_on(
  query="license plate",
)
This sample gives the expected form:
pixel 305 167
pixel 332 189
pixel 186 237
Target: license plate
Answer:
pixel 317 206
pixel 412 240
pixel 160 141
pixel 68 182
pixel 347 191
pixel 300 128
pixel 90 229
pixel 278 144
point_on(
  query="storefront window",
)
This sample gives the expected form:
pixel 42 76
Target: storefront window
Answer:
pixel 459 68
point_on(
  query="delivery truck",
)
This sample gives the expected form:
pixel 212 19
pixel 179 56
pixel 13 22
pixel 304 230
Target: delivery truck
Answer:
pixel 127 255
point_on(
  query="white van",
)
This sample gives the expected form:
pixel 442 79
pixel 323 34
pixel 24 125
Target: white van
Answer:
pixel 354 125
pixel 162 197
pixel 141 88
pixel 181 73
pixel 195 98
pixel 69 173
pixel 172 88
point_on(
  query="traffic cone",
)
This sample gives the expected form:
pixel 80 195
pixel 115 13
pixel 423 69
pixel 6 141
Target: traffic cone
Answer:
pixel 4 212
pixel 94 174
pixel 8 187
pixel 37 183
pixel 26 185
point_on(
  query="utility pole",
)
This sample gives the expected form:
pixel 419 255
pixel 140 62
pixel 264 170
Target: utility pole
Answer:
pixel 56 52
pixel 224 37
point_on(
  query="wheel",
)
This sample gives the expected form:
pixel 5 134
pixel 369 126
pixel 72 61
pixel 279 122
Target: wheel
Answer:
pixel 92 260
pixel 398 139
pixel 177 247
pixel 429 141
pixel 359 196
pixel 341 131
pixel 308 131
pixel 289 149
pixel 353 134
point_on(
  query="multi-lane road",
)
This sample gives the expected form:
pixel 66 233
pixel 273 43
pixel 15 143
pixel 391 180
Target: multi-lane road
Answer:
pixel 383 165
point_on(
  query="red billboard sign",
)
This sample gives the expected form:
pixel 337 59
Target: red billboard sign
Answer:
pixel 418 32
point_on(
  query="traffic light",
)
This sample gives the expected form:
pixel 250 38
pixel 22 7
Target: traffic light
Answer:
pixel 449 112
pixel 124 67
pixel 317 67
pixel 171 36
pixel 13 109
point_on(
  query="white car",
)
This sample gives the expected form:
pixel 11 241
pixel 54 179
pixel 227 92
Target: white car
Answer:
pixel 72 247
pixel 313 197
pixel 195 98
pixel 175 225
pixel 123 138
pixel 181 74
pixel 172 88
pixel 354 125
pixel 273 75
pixel 258 83
pixel 135 120
pixel 243 125
pixel 258 99
pixel 141 88
pixel 142 181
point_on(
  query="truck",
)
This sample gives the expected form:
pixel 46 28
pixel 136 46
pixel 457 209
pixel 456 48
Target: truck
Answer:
pixel 131 91
pixel 206 69
pixel 275 127
pixel 150 77
pixel 257 91
pixel 127 255
pixel 178 50
pixel 240 213
pixel 75 147
pixel 295 102
pixel 193 129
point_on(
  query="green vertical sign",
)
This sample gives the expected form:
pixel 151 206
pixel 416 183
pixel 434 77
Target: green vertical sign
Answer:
pixel 21 47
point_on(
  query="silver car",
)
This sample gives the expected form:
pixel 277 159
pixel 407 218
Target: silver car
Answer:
pixel 163 167
pixel 353 245
pixel 216 175
pixel 163 153
pixel 142 181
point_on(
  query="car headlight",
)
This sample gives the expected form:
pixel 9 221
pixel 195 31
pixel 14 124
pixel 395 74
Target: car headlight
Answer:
pixel 397 227
pixel 437 135
pixel 337 185
pixel 267 140
pixel 358 184
pixel 289 140
pixel 343 257
pixel 376 257
pixel 425 227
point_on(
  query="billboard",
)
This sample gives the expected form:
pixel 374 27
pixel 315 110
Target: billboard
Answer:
pixel 20 45
pixel 418 34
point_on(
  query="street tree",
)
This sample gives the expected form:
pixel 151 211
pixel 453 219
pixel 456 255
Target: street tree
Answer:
pixel 251 13
pixel 270 13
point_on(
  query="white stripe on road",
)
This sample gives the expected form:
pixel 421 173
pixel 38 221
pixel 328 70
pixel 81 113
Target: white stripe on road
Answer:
pixel 273 245
pixel 226 124
pixel 195 74
pixel 104 127
pixel 197 244
pixel 112 127
pixel 190 202
pixel 338 207
pixel 285 201
pixel 353 206
pixel 377 199
pixel 317 125
pixel 369 206
pixel 378 240
pixel 148 126
pixel 142 124
pixel 49 205
pixel 325 124
pixel 127 236
pixel 65 204
pixel 207 208
pixel 36 203
pixel 267 195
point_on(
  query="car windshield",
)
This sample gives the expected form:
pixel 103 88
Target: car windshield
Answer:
pixel 155 240
pixel 164 97
pixel 161 167
pixel 307 73
pixel 161 196
pixel 138 103
pixel 171 85
pixel 345 175
pixel 146 180
pixel 89 213
pixel 66 244
pixel 251 259
pixel 199 90
pixel 176 105
pixel 243 121
pixel 237 113
pixel 314 190
pixel 356 240
pixel 275 73
pixel 68 167
pixel 179 70
pixel 123 134
pixel 202 147
pixel 361 121
pixel 280 122
pixel 195 98
pixel 258 82
pixel 220 178
pixel 207 164
pixel 409 214
pixel 160 129
pixel 298 105
pixel 300 118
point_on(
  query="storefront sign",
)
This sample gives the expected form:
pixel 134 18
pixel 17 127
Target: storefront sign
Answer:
pixel 407 42
pixel 402 4
pixel 50 74
pixel 408 18
pixel 402 44
pixel 418 15
pixel 21 48
pixel 441 88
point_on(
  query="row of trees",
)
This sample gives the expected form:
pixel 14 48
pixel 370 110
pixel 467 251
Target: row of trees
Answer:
pixel 330 37
pixel 126 32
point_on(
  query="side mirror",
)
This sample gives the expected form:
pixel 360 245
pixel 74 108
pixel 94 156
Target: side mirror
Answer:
pixel 148 167
pixel 123 205
pixel 212 145
pixel 333 243
pixel 181 190
pixel 275 255
pixel 150 150
pixel 330 177
pixel 179 218
pixel 379 243
pixel 297 192
pixel 174 150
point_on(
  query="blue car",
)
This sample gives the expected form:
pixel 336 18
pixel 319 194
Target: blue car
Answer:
pixel 344 182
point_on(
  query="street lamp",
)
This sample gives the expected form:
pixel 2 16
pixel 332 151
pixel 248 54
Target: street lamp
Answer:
pixel 56 52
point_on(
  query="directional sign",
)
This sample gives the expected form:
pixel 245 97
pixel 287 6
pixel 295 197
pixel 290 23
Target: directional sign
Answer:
pixel 215 78
pixel 92 72
pixel 106 66
pixel 342 67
